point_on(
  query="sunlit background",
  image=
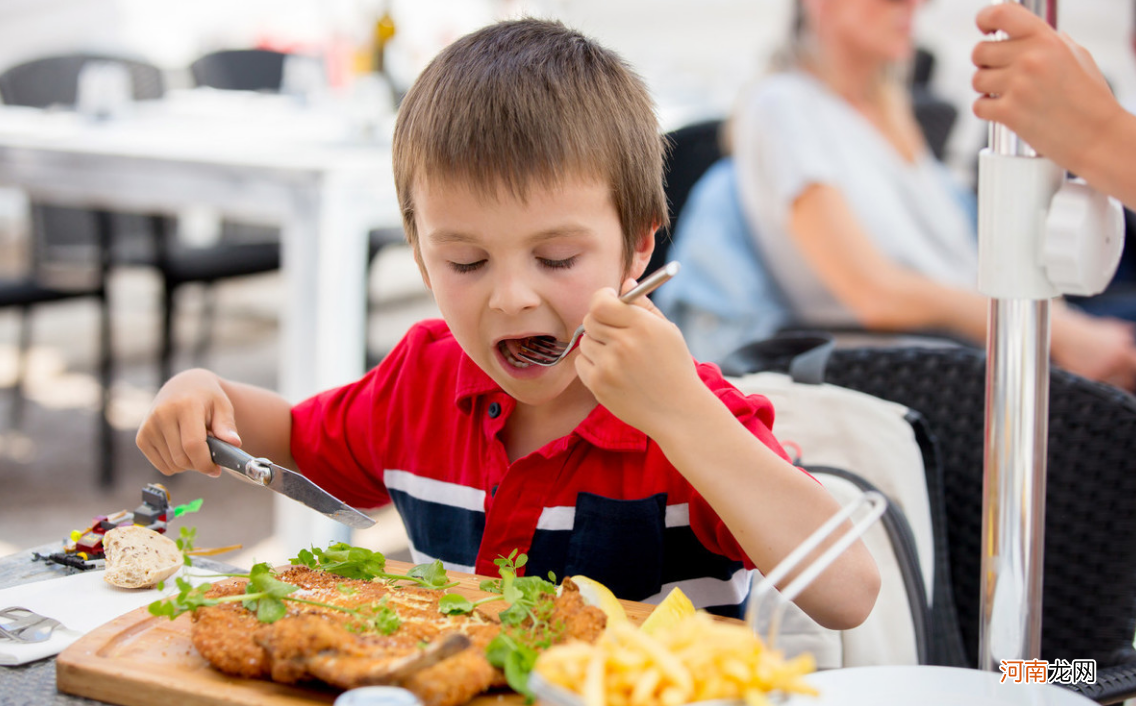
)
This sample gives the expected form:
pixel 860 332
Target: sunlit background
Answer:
pixel 694 54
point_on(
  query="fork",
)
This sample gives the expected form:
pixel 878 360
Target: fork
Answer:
pixel 547 351
pixel 26 625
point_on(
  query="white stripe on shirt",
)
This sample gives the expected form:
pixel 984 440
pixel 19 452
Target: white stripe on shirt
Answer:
pixel 563 517
pixel 678 515
pixel 435 491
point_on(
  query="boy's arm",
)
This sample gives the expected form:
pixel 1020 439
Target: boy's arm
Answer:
pixel 637 365
pixel 198 403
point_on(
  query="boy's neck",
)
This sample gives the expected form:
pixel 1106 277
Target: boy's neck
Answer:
pixel 531 427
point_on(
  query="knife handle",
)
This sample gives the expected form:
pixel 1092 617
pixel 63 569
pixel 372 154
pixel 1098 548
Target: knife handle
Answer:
pixel 228 456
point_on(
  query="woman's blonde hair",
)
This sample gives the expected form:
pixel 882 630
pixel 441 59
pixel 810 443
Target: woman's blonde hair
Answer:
pixel 799 48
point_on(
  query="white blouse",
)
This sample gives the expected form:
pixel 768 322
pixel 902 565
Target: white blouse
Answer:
pixel 791 132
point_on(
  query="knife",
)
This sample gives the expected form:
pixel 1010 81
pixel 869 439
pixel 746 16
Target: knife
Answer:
pixel 261 471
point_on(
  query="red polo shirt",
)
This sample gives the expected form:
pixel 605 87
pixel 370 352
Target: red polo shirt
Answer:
pixel 423 430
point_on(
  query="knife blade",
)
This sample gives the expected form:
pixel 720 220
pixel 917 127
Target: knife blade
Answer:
pixel 261 471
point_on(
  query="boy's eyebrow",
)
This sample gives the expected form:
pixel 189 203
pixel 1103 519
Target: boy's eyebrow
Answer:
pixel 449 236
pixel 442 237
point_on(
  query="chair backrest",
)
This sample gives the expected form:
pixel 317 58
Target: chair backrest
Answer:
pixel 693 149
pixel 54 80
pixel 64 232
pixel 1089 593
pixel 240 70
pixel 936 118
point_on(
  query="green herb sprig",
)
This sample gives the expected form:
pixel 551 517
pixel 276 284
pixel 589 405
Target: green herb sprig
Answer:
pixel 351 562
pixel 185 544
pixel 265 594
pixel 527 625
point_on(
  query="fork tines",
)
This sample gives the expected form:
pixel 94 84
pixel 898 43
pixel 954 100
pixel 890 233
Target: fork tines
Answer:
pixel 543 348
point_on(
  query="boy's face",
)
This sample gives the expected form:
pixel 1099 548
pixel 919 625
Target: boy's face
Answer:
pixel 503 269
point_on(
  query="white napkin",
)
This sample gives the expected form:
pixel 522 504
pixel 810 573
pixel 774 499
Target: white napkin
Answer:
pixel 80 602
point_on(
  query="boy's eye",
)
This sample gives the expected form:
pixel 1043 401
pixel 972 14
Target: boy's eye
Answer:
pixel 557 264
pixel 464 267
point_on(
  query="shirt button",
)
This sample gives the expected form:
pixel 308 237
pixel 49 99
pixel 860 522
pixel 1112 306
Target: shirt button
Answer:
pixel 494 410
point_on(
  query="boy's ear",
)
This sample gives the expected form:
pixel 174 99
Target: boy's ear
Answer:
pixel 641 257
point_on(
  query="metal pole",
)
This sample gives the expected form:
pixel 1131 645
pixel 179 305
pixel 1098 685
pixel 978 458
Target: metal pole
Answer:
pixel 1017 422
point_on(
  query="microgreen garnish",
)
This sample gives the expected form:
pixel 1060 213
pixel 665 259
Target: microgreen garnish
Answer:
pixel 516 659
pixel 265 594
pixel 185 543
pixel 456 604
pixel 359 563
pixel 526 625
pixel 385 620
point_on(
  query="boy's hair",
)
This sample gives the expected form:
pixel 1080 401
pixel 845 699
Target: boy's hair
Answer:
pixel 529 101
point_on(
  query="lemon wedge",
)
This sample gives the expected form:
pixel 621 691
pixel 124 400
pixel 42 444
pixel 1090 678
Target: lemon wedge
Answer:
pixel 671 611
pixel 596 594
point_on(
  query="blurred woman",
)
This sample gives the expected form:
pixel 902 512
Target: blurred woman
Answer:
pixel 859 223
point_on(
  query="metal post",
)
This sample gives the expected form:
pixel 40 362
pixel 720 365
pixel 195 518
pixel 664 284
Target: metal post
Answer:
pixel 1017 422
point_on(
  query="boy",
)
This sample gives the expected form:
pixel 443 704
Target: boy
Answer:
pixel 528 164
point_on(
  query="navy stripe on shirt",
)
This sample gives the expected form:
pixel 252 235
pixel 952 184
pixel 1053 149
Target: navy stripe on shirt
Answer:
pixel 635 547
pixel 452 534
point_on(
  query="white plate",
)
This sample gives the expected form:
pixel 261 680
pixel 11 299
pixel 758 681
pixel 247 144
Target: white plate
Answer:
pixel 929 686
pixel 884 686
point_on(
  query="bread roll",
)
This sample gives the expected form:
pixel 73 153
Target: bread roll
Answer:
pixel 137 557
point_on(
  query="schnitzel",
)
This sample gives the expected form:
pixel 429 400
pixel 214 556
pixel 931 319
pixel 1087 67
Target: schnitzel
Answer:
pixel 394 635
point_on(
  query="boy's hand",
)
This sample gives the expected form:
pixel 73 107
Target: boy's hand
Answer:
pixel 635 361
pixel 187 408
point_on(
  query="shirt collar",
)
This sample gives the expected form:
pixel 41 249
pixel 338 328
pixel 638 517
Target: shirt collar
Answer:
pixel 601 428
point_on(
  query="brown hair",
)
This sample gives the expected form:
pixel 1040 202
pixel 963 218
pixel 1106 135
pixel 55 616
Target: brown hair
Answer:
pixel 530 101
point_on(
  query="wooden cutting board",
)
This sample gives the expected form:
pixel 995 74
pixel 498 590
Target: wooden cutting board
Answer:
pixel 140 660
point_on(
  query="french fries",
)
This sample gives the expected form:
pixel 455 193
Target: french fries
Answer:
pixel 696 659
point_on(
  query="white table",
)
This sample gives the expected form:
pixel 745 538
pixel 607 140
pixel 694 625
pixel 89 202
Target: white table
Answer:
pixel 324 194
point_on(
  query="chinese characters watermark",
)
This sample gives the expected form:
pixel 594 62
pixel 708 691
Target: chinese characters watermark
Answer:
pixel 1040 671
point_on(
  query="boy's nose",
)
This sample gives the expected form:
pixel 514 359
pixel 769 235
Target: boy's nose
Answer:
pixel 512 294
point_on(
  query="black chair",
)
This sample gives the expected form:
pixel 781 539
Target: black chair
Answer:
pixel 263 70
pixel 180 265
pixel 692 150
pixel 34 286
pixel 46 83
pixel 936 116
pixel 138 239
pixel 1089 594
pixel 240 70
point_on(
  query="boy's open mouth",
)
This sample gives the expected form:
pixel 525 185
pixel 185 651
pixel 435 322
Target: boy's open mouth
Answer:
pixel 510 349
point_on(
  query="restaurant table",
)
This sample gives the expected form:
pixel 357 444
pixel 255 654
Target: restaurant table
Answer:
pixel 33 684
pixel 258 158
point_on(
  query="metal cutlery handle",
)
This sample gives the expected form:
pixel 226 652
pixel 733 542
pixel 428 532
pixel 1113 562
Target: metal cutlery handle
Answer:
pixel 651 283
pixel 26 626
pixel 242 463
